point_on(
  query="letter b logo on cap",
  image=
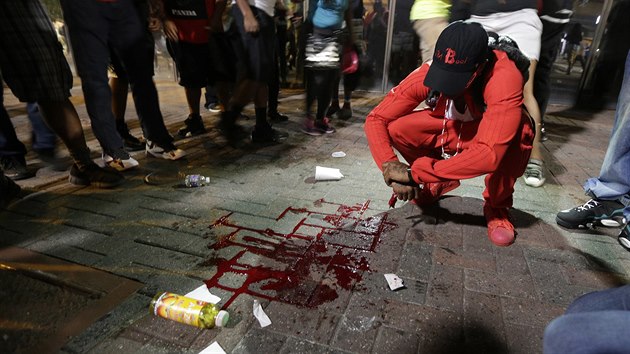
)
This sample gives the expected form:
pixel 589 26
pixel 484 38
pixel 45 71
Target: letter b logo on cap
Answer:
pixel 450 56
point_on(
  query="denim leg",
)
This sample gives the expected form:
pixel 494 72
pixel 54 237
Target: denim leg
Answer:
pixel 89 26
pixel 9 143
pixel 129 40
pixel 613 182
pixel 588 332
pixel 609 299
pixel 43 137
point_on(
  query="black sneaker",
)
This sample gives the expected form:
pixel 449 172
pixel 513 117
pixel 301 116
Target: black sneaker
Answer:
pixel 333 109
pixel 194 126
pixel 93 175
pixel 266 134
pixel 8 190
pixel 130 142
pixel 624 236
pixel 277 117
pixel 595 212
pixel 14 167
pixel 228 127
pixel 50 158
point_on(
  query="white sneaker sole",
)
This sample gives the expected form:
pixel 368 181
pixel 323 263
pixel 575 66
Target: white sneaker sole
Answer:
pixel 124 165
pixel 534 182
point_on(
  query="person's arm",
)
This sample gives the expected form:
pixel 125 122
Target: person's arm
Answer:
pixel 497 130
pixel 216 22
pixel 249 21
pixel 401 100
pixel 348 19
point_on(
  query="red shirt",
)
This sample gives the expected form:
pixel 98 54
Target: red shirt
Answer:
pixel 503 96
pixel 192 19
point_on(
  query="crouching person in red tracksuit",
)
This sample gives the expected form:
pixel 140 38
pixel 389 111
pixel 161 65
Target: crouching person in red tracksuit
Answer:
pixel 475 124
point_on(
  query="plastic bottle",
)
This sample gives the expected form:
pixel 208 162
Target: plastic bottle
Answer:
pixel 188 311
pixel 192 181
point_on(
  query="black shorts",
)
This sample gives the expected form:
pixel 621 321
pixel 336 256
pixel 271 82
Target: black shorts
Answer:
pixel 31 57
pixel 193 63
pixel 256 49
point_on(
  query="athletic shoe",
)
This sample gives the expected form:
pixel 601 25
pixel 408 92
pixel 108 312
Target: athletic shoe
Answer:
pixel 534 174
pixel 9 190
pixel 277 117
pixel 168 153
pixel 193 126
pixel 266 134
pixel 624 236
pixel 214 107
pixel 14 167
pixel 309 127
pixel 120 164
pixel 592 213
pixel 324 126
pixel 130 142
pixel 50 158
pixel 91 174
pixel 500 229
pixel 345 112
pixel 334 108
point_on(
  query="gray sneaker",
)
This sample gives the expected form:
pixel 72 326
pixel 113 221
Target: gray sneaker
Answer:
pixel 624 236
pixel 534 173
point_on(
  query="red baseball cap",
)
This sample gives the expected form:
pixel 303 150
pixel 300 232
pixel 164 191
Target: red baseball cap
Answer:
pixel 458 50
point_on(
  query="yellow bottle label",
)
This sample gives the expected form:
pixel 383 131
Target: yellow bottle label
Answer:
pixel 179 308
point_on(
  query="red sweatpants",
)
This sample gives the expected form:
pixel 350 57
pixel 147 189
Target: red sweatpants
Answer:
pixel 419 134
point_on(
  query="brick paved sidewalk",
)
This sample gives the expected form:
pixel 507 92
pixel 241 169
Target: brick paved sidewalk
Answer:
pixel 315 253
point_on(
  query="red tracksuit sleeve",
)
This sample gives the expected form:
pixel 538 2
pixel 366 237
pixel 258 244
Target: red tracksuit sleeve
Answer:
pixel 499 125
pixel 400 101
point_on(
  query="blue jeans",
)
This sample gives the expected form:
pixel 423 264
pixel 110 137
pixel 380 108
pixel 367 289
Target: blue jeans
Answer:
pixel 43 138
pixel 613 182
pixel 597 322
pixel 94 27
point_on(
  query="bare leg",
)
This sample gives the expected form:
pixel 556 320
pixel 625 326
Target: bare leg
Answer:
pixel 534 110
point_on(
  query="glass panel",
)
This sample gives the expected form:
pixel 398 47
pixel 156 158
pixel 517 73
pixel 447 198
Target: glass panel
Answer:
pixel 405 53
pixel 574 52
pixel 602 83
pixel 375 25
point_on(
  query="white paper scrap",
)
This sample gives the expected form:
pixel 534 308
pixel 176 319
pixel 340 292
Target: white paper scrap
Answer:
pixel 213 348
pixel 338 154
pixel 202 293
pixel 260 315
pixel 394 281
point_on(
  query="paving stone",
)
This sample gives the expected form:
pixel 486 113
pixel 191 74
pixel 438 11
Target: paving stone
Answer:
pixel 395 341
pixel 445 288
pixel 416 261
pixel 356 334
pixel 533 313
pixel 259 341
pixel 296 346
pixel 524 339
pixel 483 322
pixel 304 323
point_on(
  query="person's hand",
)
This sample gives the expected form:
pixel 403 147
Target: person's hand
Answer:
pixel 154 24
pixel 404 192
pixel 251 24
pixel 395 171
pixel 170 30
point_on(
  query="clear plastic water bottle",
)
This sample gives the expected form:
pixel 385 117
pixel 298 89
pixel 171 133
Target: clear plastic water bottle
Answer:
pixel 192 181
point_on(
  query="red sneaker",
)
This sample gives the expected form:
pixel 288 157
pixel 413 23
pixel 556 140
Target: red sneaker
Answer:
pixel 500 229
pixel 433 191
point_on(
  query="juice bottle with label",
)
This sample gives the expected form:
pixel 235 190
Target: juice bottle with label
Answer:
pixel 188 311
